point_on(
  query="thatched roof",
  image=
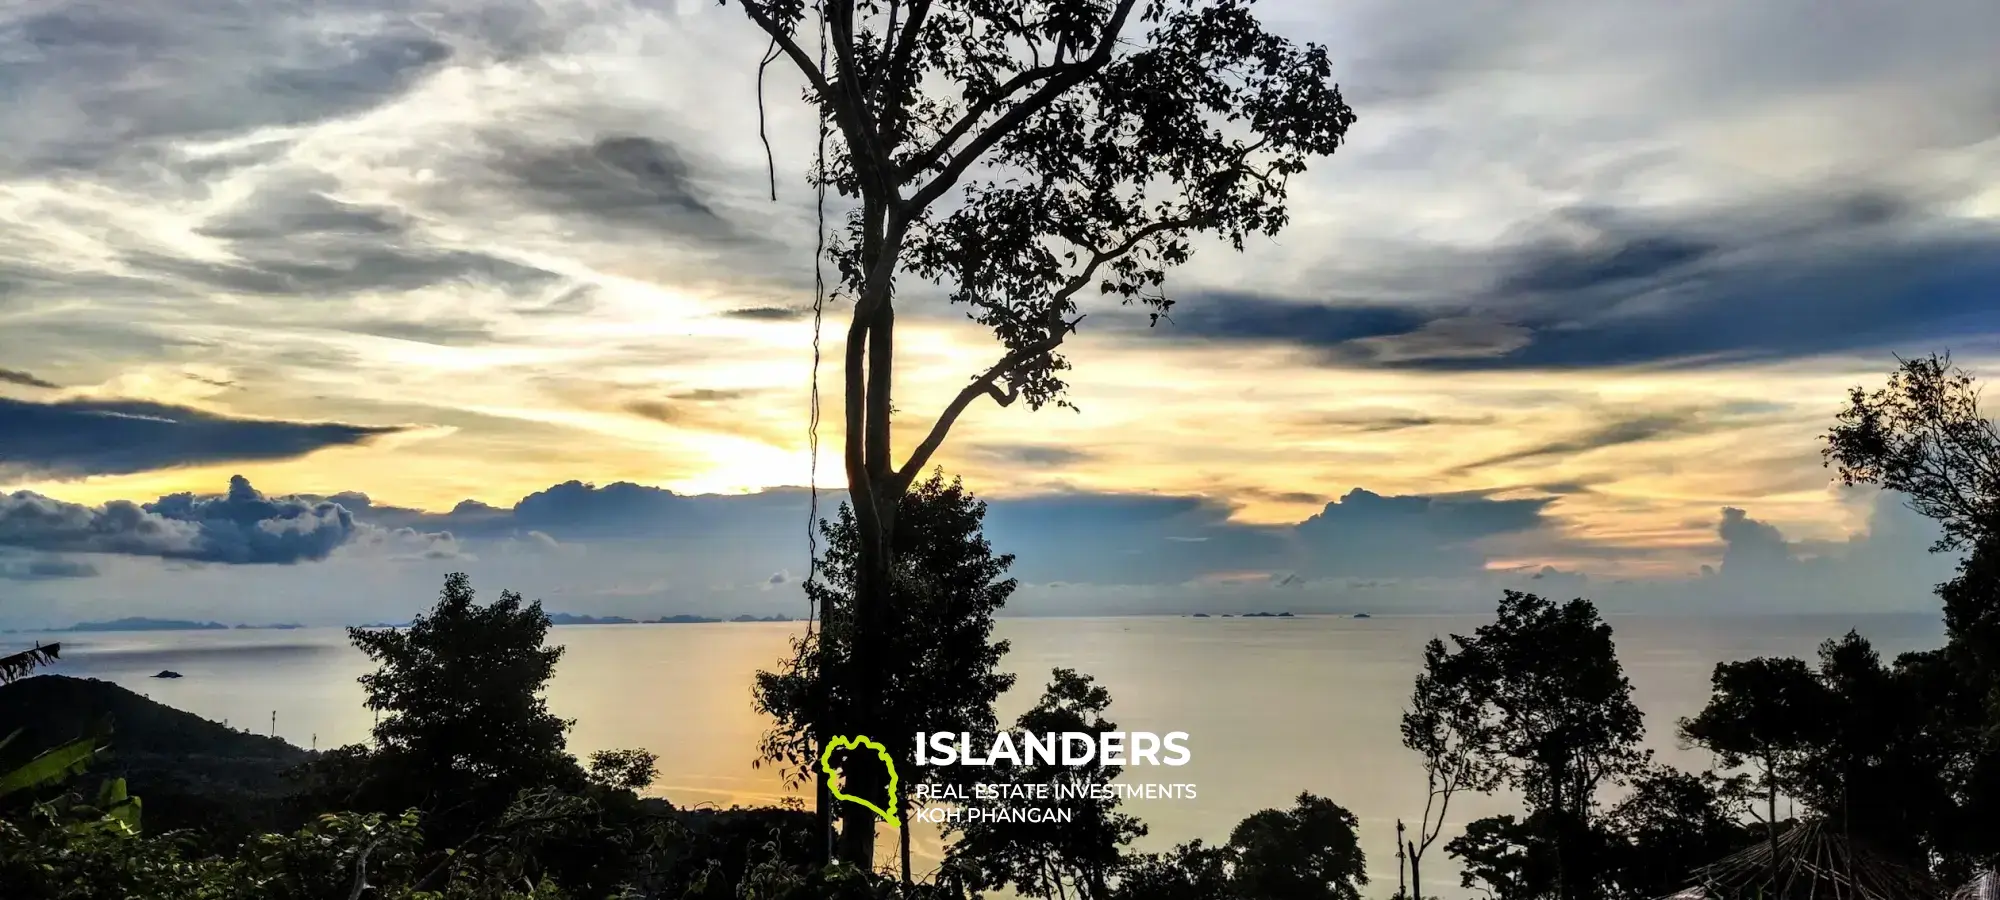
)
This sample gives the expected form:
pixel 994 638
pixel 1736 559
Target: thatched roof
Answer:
pixel 1813 861
pixel 1985 887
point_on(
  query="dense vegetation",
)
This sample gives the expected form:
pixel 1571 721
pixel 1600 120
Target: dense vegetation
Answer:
pixel 468 788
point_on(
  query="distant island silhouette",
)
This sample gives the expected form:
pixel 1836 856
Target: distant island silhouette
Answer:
pixel 143 623
pixel 576 619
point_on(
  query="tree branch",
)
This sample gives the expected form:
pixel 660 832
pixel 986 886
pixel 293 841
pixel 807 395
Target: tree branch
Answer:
pixel 987 384
pixel 1060 78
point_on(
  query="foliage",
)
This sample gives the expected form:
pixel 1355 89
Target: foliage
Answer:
pixel 1445 725
pixel 16 666
pixel 464 724
pixel 1508 857
pixel 1309 852
pixel 1923 435
pixel 625 770
pixel 1770 712
pixel 1539 697
pixel 1086 145
pixel 1671 823
pixel 1075 858
pixel 942 673
pixel 1191 871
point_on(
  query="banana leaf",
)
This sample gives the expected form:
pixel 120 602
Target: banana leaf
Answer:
pixel 54 766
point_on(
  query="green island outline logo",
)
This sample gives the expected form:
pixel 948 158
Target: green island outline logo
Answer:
pixel 857 742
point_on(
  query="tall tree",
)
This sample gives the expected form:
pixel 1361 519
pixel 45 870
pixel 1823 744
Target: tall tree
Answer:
pixel 1553 715
pixel 1085 145
pixel 461 696
pixel 1924 435
pixel 1770 712
pixel 944 669
pixel 1444 723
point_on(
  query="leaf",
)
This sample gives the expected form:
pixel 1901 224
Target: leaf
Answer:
pixel 51 767
pixel 19 665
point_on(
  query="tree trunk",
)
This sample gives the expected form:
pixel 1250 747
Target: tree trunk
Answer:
pixel 1771 817
pixel 822 816
pixel 1416 875
pixel 903 813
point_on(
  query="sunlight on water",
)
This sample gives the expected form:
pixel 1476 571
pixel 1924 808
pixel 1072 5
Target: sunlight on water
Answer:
pixel 1272 706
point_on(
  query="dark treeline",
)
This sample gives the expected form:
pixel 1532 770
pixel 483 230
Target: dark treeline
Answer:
pixel 1884 773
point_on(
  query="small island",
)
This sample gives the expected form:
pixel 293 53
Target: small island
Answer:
pixel 1267 615
pixel 141 623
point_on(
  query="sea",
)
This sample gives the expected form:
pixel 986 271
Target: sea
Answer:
pixel 1272 706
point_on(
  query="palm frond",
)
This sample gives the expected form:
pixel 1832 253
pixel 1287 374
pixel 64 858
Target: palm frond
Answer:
pixel 20 665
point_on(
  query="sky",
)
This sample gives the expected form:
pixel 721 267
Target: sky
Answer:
pixel 303 305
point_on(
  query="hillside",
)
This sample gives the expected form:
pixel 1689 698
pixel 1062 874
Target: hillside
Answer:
pixel 187 769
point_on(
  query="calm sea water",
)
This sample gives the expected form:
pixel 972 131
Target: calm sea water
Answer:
pixel 1272 706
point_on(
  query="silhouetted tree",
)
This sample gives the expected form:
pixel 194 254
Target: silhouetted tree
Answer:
pixel 1508 857
pixel 463 718
pixel 1445 723
pixel 944 674
pixel 1880 772
pixel 1552 713
pixel 1190 871
pixel 1309 852
pixel 1075 858
pixel 1770 712
pixel 1671 823
pixel 1924 435
pixel 1084 145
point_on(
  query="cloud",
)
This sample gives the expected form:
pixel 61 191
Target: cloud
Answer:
pixel 618 179
pixel 1617 433
pixel 1791 283
pixel 109 81
pixel 37 567
pixel 768 313
pixel 77 438
pixel 24 379
pixel 1367 535
pixel 242 526
pixel 1040 455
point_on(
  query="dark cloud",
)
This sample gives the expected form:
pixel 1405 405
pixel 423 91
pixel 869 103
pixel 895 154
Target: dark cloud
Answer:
pixel 1045 455
pixel 11 376
pixel 1634 430
pixel 769 313
pixel 1383 421
pixel 1848 274
pixel 286 267
pixel 77 438
pixel 1559 268
pixel 625 179
pixel 242 526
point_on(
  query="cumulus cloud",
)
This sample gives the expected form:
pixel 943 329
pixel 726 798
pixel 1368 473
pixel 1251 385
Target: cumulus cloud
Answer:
pixel 242 526
pixel 75 438
pixel 1364 534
